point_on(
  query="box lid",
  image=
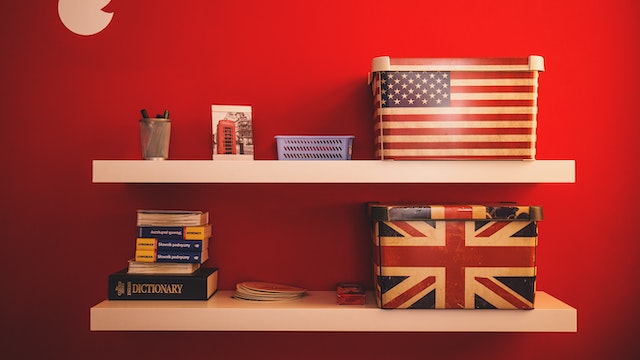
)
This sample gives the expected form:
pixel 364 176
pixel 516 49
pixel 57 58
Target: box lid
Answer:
pixel 404 212
pixel 385 63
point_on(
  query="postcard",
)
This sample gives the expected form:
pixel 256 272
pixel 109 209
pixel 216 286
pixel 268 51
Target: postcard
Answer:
pixel 232 132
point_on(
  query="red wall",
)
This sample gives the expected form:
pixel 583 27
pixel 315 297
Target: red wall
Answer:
pixel 302 65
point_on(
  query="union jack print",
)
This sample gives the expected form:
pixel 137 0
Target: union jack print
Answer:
pixel 456 108
pixel 456 263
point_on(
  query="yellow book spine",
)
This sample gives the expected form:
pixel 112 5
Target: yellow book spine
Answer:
pixel 197 232
pixel 145 255
pixel 146 244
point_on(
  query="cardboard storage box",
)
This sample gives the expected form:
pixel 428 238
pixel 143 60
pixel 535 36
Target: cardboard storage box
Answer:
pixel 455 256
pixel 473 109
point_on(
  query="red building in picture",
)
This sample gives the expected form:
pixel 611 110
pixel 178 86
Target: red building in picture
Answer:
pixel 226 137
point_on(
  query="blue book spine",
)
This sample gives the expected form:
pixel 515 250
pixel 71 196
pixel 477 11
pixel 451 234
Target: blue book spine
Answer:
pixel 175 232
pixel 161 232
pixel 177 256
pixel 171 245
pixel 170 256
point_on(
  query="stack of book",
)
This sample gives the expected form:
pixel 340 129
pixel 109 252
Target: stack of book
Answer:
pixel 170 249
pixel 172 239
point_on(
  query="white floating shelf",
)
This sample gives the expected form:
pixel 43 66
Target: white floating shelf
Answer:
pixel 318 312
pixel 351 171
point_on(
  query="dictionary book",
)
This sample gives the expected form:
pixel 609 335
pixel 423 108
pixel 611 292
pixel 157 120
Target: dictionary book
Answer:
pixel 197 286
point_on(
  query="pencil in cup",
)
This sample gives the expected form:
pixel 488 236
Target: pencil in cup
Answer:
pixel 154 138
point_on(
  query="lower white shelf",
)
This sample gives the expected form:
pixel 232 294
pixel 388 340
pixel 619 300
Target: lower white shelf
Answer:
pixel 319 312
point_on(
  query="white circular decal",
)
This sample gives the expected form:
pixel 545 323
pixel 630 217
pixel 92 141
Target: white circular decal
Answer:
pixel 84 17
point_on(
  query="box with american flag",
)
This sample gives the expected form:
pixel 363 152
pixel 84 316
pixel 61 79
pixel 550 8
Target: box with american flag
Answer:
pixel 455 256
pixel 465 108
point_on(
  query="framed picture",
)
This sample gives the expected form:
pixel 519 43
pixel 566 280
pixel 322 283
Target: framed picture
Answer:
pixel 232 132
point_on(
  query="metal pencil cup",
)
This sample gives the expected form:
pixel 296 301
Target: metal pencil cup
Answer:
pixel 154 138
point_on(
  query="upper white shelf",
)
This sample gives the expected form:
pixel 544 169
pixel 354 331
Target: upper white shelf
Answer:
pixel 319 312
pixel 328 171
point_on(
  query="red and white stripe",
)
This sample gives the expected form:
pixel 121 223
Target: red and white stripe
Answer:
pixel 492 114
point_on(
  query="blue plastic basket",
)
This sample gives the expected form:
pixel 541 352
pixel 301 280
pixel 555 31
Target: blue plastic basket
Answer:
pixel 314 147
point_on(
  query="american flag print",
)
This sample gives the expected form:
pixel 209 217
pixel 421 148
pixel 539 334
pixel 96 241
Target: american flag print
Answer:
pixel 456 263
pixel 456 108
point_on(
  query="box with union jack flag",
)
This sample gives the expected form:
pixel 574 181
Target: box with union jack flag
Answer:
pixel 464 108
pixel 455 256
